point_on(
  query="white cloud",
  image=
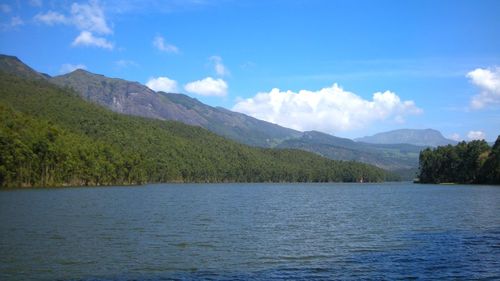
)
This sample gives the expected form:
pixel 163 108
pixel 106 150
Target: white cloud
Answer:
pixel 207 87
pixel 219 67
pixel 476 135
pixel 51 18
pixel 160 44
pixel 488 81
pixel 85 17
pixel 330 109
pixel 163 84
pixel 456 137
pixel 86 38
pixel 90 17
pixel 67 67
pixel 5 8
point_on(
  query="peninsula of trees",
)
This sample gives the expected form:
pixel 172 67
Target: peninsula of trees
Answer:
pixel 472 162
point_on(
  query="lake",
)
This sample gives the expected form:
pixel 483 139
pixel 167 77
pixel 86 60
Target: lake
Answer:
pixel 251 232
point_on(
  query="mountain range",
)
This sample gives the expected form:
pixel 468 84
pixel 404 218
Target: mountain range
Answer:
pixel 132 98
pixel 50 136
pixel 426 137
pixel 136 99
pixel 392 157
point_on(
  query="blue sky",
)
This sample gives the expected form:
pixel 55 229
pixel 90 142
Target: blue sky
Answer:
pixel 349 68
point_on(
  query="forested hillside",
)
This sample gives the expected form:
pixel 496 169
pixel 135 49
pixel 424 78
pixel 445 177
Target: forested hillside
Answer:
pixel 49 136
pixel 133 98
pixel 472 162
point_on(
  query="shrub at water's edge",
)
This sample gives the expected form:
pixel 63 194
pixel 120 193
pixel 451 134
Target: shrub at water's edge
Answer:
pixel 51 137
pixel 472 162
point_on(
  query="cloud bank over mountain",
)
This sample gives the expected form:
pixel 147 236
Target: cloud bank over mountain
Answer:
pixel 331 109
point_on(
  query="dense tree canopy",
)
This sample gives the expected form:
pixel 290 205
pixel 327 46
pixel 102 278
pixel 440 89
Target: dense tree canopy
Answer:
pixel 472 162
pixel 50 137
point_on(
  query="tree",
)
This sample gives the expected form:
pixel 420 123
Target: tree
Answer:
pixel 490 171
pixel 473 162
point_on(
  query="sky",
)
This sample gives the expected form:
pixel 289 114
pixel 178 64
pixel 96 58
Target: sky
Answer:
pixel 349 68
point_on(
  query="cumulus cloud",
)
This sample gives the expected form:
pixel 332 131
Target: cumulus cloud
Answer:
pixel 51 18
pixel 476 135
pixel 330 109
pixel 160 44
pixel 86 38
pixel 67 67
pixel 90 17
pixel 219 67
pixel 207 87
pixel 488 81
pixel 163 84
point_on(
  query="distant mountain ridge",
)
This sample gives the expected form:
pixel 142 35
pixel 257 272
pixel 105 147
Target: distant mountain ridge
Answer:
pixel 390 157
pixel 425 137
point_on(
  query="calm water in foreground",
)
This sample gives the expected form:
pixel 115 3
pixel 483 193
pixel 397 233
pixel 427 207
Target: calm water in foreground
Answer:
pixel 251 231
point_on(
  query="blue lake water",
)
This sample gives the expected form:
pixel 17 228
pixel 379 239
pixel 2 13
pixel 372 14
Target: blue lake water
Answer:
pixel 251 232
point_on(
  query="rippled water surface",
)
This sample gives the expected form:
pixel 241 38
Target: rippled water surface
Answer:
pixel 251 231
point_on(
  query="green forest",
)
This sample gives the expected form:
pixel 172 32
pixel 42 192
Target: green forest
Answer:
pixel 51 137
pixel 466 162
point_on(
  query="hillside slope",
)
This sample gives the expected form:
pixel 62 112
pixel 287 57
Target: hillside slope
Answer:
pixel 136 99
pixel 13 65
pixel 49 136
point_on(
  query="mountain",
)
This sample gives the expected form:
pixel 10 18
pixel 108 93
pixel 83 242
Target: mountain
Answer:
pixel 12 64
pixel 133 98
pixel 426 137
pixel 390 157
pixel 136 99
pixel 50 136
